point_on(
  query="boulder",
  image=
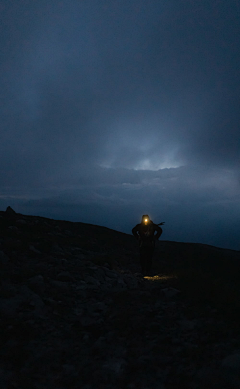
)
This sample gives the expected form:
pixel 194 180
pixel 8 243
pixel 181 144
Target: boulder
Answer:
pixel 3 258
pixel 232 362
pixel 231 369
pixel 170 292
pixel 64 276
pixel 37 284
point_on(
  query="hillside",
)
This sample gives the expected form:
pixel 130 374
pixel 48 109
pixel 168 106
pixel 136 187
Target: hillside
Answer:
pixel 76 313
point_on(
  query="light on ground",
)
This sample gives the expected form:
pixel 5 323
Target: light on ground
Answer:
pixel 158 277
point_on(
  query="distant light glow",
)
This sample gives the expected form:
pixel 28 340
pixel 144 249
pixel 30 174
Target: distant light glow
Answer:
pixel 147 164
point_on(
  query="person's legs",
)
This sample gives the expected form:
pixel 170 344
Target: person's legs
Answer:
pixel 149 259
pixel 148 265
pixel 146 254
pixel 143 255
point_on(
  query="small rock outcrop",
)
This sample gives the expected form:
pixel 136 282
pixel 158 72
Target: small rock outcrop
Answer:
pixel 9 211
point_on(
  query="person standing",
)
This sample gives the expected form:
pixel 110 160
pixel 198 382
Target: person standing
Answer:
pixel 145 233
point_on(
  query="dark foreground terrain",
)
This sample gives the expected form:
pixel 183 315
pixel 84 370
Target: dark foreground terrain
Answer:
pixel 76 313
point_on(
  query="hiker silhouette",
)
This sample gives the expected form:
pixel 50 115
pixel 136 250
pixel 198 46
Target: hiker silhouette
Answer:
pixel 145 233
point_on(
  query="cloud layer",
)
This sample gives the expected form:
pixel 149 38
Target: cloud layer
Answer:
pixel 112 109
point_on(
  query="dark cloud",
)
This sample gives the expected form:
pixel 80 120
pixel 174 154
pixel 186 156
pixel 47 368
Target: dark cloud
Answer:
pixel 111 107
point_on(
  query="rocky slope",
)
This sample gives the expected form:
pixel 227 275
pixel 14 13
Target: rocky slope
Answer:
pixel 76 313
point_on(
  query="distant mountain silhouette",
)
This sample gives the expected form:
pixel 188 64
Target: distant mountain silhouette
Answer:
pixel 76 313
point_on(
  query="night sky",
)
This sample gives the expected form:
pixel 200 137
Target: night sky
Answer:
pixel 115 109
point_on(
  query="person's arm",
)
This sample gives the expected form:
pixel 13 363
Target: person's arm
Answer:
pixel 135 231
pixel 159 232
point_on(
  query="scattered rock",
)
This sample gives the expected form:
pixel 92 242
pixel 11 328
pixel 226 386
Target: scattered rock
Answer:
pixel 187 325
pixel 37 284
pixel 59 286
pixel 170 292
pixel 209 377
pixel 21 222
pixel 13 228
pixel 7 290
pixel 34 250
